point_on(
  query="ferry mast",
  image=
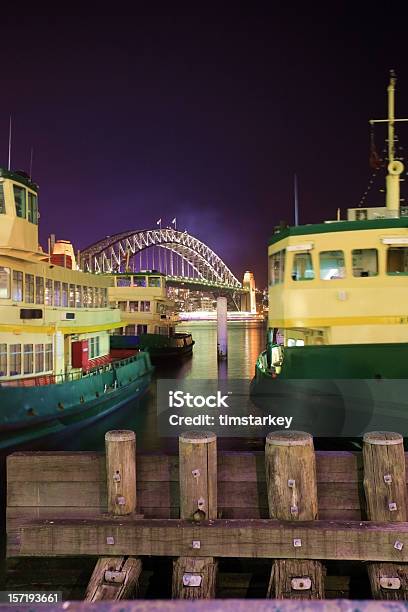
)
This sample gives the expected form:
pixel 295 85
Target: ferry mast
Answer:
pixel 395 166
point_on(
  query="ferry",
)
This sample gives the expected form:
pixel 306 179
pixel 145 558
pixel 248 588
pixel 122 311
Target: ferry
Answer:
pixel 337 343
pixel 56 368
pixel 149 318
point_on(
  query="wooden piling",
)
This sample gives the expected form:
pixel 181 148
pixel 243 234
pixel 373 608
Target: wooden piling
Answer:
pixel 195 577
pixel 386 498
pixel 121 471
pixel 292 495
pixel 198 475
pixel 114 578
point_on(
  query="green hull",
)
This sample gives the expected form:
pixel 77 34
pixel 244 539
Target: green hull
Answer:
pixel 343 361
pixel 337 391
pixel 159 347
pixel 29 413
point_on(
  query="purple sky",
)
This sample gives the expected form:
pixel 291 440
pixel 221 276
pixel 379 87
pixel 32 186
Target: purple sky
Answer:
pixel 205 117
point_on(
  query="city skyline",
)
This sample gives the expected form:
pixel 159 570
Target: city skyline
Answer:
pixel 202 117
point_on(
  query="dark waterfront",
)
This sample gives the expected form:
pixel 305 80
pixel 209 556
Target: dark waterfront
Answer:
pixel 245 341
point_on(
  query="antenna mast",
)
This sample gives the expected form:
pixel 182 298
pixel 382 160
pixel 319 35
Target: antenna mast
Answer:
pixel 9 147
pixel 395 167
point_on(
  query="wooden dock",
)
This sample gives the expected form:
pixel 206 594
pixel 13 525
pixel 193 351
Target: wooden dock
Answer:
pixel 296 509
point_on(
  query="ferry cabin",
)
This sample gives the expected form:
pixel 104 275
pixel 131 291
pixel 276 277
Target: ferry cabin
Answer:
pixel 142 300
pixel 54 320
pixel 339 283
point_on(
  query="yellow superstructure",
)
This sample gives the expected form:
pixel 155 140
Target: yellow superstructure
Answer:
pixel 340 283
pixel 44 307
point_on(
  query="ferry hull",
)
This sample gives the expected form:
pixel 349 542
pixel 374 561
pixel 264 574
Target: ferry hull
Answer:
pixel 29 413
pixel 342 393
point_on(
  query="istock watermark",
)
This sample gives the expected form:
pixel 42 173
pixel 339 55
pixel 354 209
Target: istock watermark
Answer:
pixel 324 408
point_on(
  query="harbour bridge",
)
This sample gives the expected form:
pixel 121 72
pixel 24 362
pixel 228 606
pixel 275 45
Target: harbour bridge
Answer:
pixel 185 260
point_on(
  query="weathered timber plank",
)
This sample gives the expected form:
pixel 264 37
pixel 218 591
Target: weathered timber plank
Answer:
pixel 166 494
pixel 56 493
pixel 219 538
pixel 56 466
pixel 332 466
pixel 17 516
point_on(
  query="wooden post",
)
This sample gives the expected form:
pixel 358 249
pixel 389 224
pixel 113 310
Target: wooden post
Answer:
pixel 118 577
pixel 292 495
pixel 121 471
pixel 195 577
pixel 386 497
pixel 114 578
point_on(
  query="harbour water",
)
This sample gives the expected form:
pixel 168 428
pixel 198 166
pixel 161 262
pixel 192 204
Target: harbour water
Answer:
pixel 245 342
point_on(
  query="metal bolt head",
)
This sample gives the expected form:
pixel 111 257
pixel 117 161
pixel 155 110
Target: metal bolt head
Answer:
pixel 291 483
pixel 116 477
pixel 387 478
pixel 121 501
pixel 196 544
pixel 398 545
pixel 392 506
pixel 294 510
pixel 196 473
pixel 110 540
pixel 297 542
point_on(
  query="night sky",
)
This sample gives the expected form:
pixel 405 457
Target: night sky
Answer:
pixel 200 116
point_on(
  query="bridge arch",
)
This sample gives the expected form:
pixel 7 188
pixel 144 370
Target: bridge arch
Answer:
pixel 112 252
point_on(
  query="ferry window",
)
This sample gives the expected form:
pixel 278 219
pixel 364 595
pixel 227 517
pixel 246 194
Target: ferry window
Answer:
pixel 4 282
pixel 3 359
pixel 144 306
pixel 85 296
pixel 20 201
pixel 133 306
pixel 397 260
pixel 15 359
pixel 154 281
pixel 97 346
pixel 90 297
pixel 48 292
pixel 29 289
pixel 57 293
pixel 78 292
pixel 122 305
pixel 28 359
pixel 104 297
pixel 332 265
pixel 302 267
pixel 98 297
pixel 39 290
pixel 276 268
pixel 64 294
pixel 48 357
pixel 39 358
pixel 141 329
pixel 32 212
pixel 365 262
pixel 71 300
pixel 17 286
pixel 2 201
pixel 130 330
pixel 123 281
pixel 139 281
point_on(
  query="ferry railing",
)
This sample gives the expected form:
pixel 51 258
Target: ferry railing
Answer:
pixel 47 379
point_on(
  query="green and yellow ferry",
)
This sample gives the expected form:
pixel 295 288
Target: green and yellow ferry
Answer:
pixel 149 317
pixel 337 344
pixel 56 370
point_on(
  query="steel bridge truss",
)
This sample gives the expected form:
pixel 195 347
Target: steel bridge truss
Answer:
pixel 109 255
